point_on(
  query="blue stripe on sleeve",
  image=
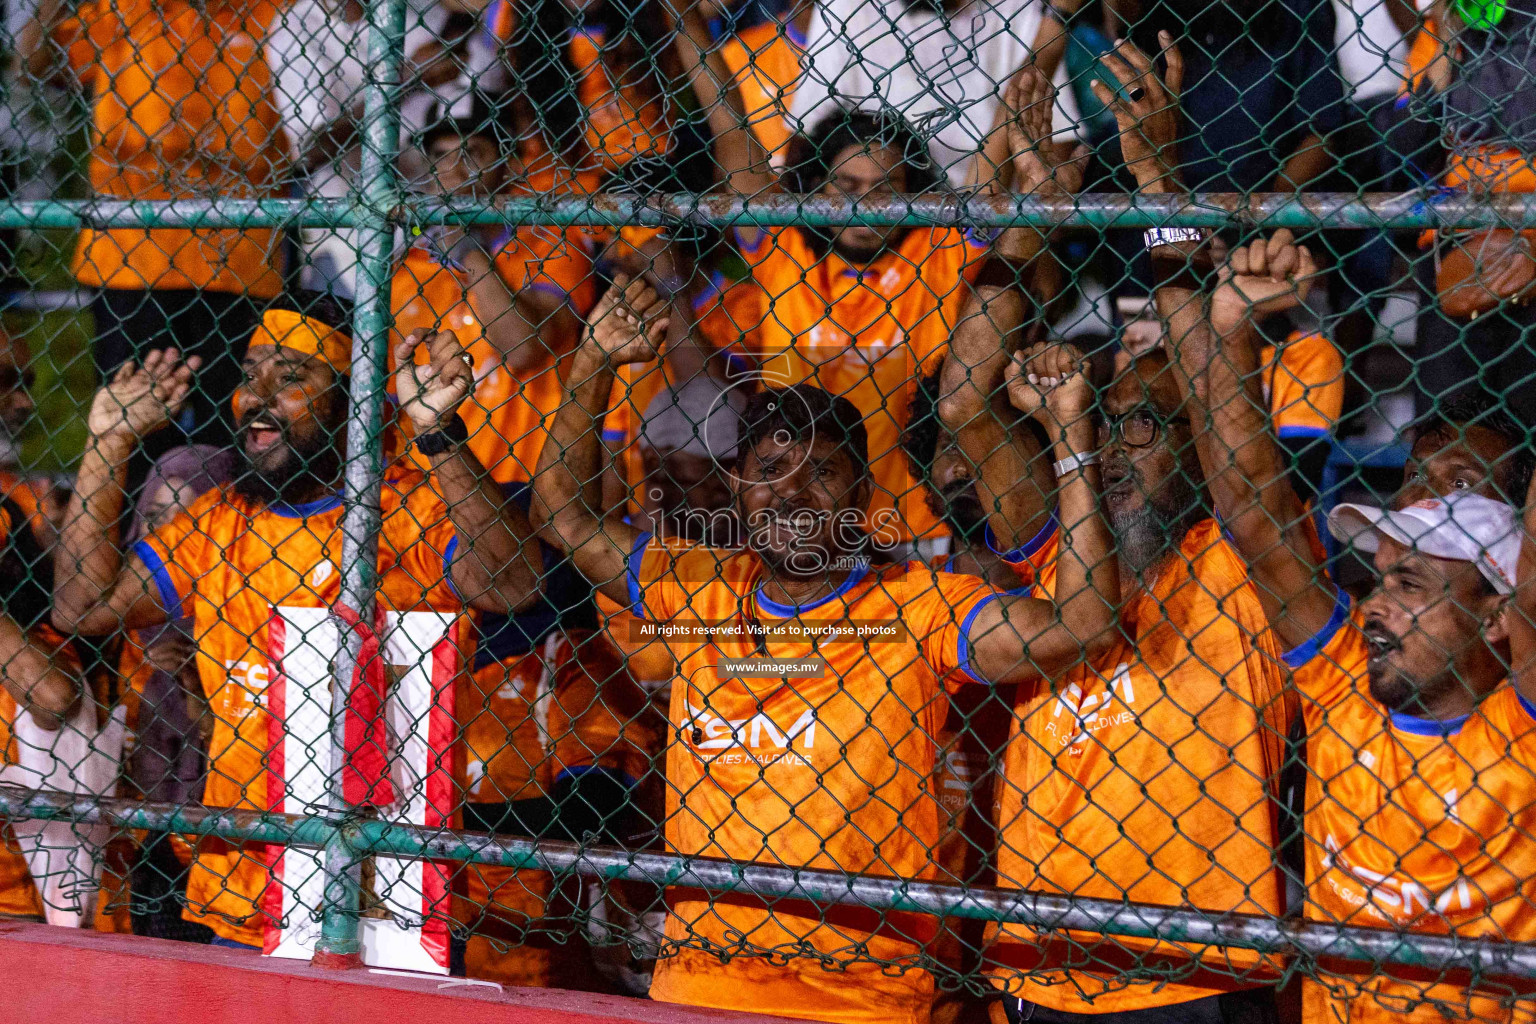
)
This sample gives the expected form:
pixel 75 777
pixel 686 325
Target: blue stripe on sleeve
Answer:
pixel 632 576
pixel 448 553
pixel 963 643
pixel 1305 652
pixel 168 596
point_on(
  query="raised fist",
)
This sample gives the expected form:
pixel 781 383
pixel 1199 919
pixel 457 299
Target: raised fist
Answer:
pixel 1049 382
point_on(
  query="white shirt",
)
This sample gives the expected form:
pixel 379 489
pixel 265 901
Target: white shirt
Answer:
pixel 318 72
pixel 1371 52
pixel 944 73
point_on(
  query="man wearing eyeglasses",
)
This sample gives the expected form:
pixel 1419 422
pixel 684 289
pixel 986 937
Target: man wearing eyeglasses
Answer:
pixel 1144 774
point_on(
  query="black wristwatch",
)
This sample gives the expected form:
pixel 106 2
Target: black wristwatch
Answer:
pixel 444 439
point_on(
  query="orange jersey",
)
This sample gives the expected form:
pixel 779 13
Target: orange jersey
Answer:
pixel 1304 385
pixel 831 772
pixel 868 334
pixel 766 63
pixel 181 109
pixel 1413 823
pixel 229 562
pixel 1150 777
pixel 506 414
pixel 649 662
pixel 625 118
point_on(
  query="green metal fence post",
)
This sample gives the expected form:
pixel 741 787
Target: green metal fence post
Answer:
pixel 340 944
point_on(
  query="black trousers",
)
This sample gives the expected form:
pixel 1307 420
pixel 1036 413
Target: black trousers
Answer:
pixel 212 325
pixel 1250 1006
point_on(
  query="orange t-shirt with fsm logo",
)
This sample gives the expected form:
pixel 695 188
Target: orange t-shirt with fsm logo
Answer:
pixel 230 563
pixel 868 333
pixel 1149 776
pixel 507 413
pixel 1414 824
pixel 831 772
pixel 181 109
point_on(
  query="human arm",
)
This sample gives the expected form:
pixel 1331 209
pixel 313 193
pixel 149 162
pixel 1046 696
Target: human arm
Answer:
pixel 627 326
pixel 1246 470
pixel 496 565
pixel 30 677
pixel 741 161
pixel 1404 14
pixel 973 403
pixel 1014 639
pixel 1310 160
pixel 527 324
pixel 95 590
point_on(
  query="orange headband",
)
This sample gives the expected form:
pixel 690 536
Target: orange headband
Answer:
pixel 287 329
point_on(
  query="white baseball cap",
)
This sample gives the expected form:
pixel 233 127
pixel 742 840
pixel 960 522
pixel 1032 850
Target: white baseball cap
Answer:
pixel 1462 526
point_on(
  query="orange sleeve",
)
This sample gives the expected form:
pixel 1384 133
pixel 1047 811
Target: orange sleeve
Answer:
pixel 84 36
pixel 940 616
pixel 663 576
pixel 647 661
pixel 1421 53
pixel 953 257
pixel 425 540
pixel 180 552
pixel 1306 386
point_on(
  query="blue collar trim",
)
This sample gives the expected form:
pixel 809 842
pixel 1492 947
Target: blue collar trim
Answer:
pixel 1428 726
pixel 784 611
pixel 309 508
pixel 793 34
pixel 1020 555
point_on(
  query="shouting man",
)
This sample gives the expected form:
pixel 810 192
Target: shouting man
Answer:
pixel 273 538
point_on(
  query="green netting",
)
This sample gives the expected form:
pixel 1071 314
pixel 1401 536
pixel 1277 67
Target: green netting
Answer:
pixel 856 511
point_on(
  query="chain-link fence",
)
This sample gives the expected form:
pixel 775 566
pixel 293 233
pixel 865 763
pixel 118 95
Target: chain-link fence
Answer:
pixel 857 511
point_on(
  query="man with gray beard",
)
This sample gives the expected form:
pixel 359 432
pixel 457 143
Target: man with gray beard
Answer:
pixel 1147 772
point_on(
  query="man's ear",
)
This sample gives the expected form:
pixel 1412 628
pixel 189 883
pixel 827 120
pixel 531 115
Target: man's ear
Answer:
pixel 1496 619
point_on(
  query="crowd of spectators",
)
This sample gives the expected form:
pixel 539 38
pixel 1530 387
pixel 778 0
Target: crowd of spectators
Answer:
pixel 1086 471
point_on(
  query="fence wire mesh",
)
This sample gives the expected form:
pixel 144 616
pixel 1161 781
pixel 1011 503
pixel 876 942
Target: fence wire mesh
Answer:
pixel 925 511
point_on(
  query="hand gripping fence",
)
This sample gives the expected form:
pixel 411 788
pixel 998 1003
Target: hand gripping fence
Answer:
pixel 1321 707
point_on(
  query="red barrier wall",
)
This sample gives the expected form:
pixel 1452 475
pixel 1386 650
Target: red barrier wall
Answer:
pixel 65 976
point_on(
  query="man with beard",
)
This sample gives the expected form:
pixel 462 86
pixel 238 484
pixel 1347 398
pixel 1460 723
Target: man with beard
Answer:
pixel 797 739
pixel 273 538
pixel 1146 774
pixel 860 311
pixel 1386 838
pixel 1409 729
pixel 1419 809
